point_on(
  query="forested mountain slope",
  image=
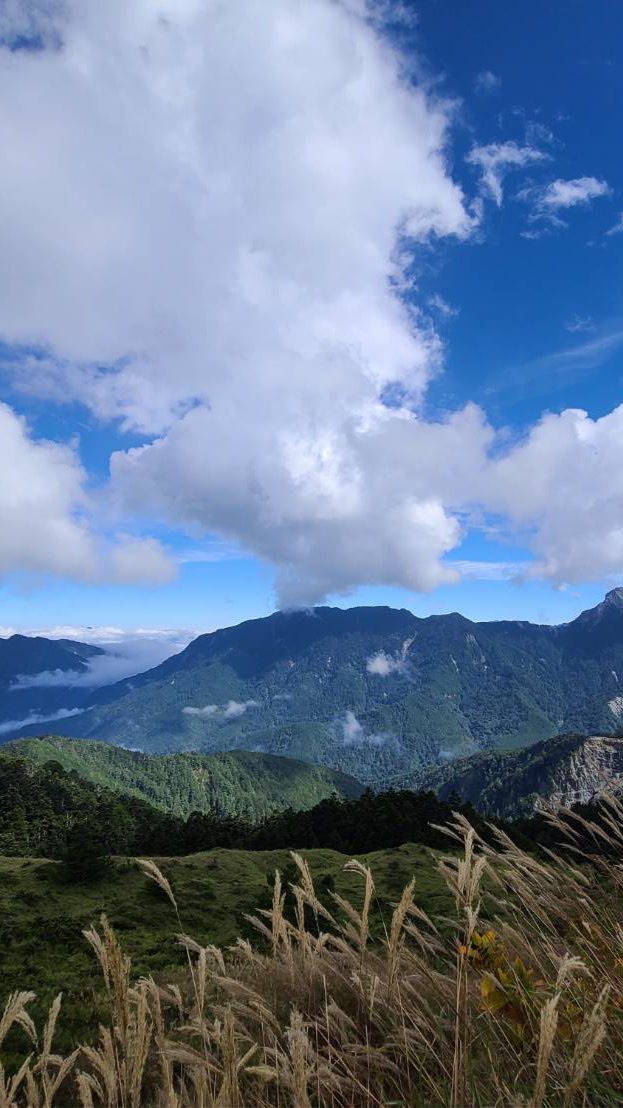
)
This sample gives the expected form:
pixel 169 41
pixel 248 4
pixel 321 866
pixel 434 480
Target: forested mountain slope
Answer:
pixel 374 692
pixel 239 783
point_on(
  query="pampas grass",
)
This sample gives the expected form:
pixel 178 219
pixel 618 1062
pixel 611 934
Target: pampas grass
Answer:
pixel 517 1000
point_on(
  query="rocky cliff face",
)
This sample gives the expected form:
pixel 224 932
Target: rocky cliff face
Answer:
pixel 595 767
pixel 560 772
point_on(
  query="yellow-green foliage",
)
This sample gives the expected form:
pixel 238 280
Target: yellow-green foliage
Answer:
pixel 517 1001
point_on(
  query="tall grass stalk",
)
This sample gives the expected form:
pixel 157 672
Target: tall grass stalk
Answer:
pixel 515 1000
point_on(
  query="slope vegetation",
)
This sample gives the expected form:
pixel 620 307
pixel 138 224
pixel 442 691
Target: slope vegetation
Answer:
pixel 251 786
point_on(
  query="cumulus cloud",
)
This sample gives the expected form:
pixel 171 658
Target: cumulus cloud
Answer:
pixel 218 279
pixel 44 514
pixel 559 483
pixel 207 215
pixel 496 159
pixel 548 201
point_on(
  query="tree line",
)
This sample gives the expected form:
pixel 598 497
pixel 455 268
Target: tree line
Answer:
pixel 47 811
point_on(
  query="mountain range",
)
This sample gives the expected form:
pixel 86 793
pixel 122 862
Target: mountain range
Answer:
pixel 376 693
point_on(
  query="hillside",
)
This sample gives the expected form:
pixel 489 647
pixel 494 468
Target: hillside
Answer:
pixel 214 889
pixel 373 692
pixel 560 772
pixel 239 783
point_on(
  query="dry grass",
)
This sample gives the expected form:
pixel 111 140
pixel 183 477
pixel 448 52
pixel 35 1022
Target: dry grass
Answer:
pixel 519 1002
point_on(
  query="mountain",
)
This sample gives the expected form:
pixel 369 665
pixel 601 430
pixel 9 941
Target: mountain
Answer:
pixel 559 772
pixel 37 677
pixel 374 692
pixel 235 784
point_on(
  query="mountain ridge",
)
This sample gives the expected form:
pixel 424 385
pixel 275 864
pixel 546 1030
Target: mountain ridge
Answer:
pixel 371 691
pixel 237 783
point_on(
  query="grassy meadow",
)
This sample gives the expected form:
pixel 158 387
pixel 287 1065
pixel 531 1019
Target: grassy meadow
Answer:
pixel 487 977
pixel 42 947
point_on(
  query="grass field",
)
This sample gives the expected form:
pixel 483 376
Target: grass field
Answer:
pixel 501 987
pixel 41 920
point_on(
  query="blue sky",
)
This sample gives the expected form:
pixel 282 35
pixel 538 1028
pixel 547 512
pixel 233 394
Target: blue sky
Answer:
pixel 303 308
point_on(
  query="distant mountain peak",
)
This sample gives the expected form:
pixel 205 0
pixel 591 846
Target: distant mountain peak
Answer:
pixel 612 604
pixel 614 597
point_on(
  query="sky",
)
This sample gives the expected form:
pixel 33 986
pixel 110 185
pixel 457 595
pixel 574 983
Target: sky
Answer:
pixel 313 302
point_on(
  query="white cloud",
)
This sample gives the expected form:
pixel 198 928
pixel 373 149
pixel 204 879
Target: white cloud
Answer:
pixel 205 212
pixel 438 304
pixel 220 277
pixel 382 664
pixel 496 159
pixel 235 708
pixel 10 725
pixel 491 571
pixel 140 560
pixel 617 226
pixel 352 731
pixel 568 194
pixel 559 195
pixel 231 710
pixel 580 323
pixel 127 652
pixel 562 484
pixel 354 734
pixel 44 516
pixel 487 82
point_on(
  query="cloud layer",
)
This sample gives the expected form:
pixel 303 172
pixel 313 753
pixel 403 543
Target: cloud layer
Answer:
pixel 128 652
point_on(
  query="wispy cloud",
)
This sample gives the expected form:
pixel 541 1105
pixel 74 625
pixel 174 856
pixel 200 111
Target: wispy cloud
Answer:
pixel 559 368
pixel 231 710
pixel 203 713
pixel 354 733
pixel 211 551
pixel 487 82
pixel 549 200
pixel 496 159
pixel 11 725
pixel 617 228
pixel 489 571
pixel 438 304
pixel 585 355
pixel 578 323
